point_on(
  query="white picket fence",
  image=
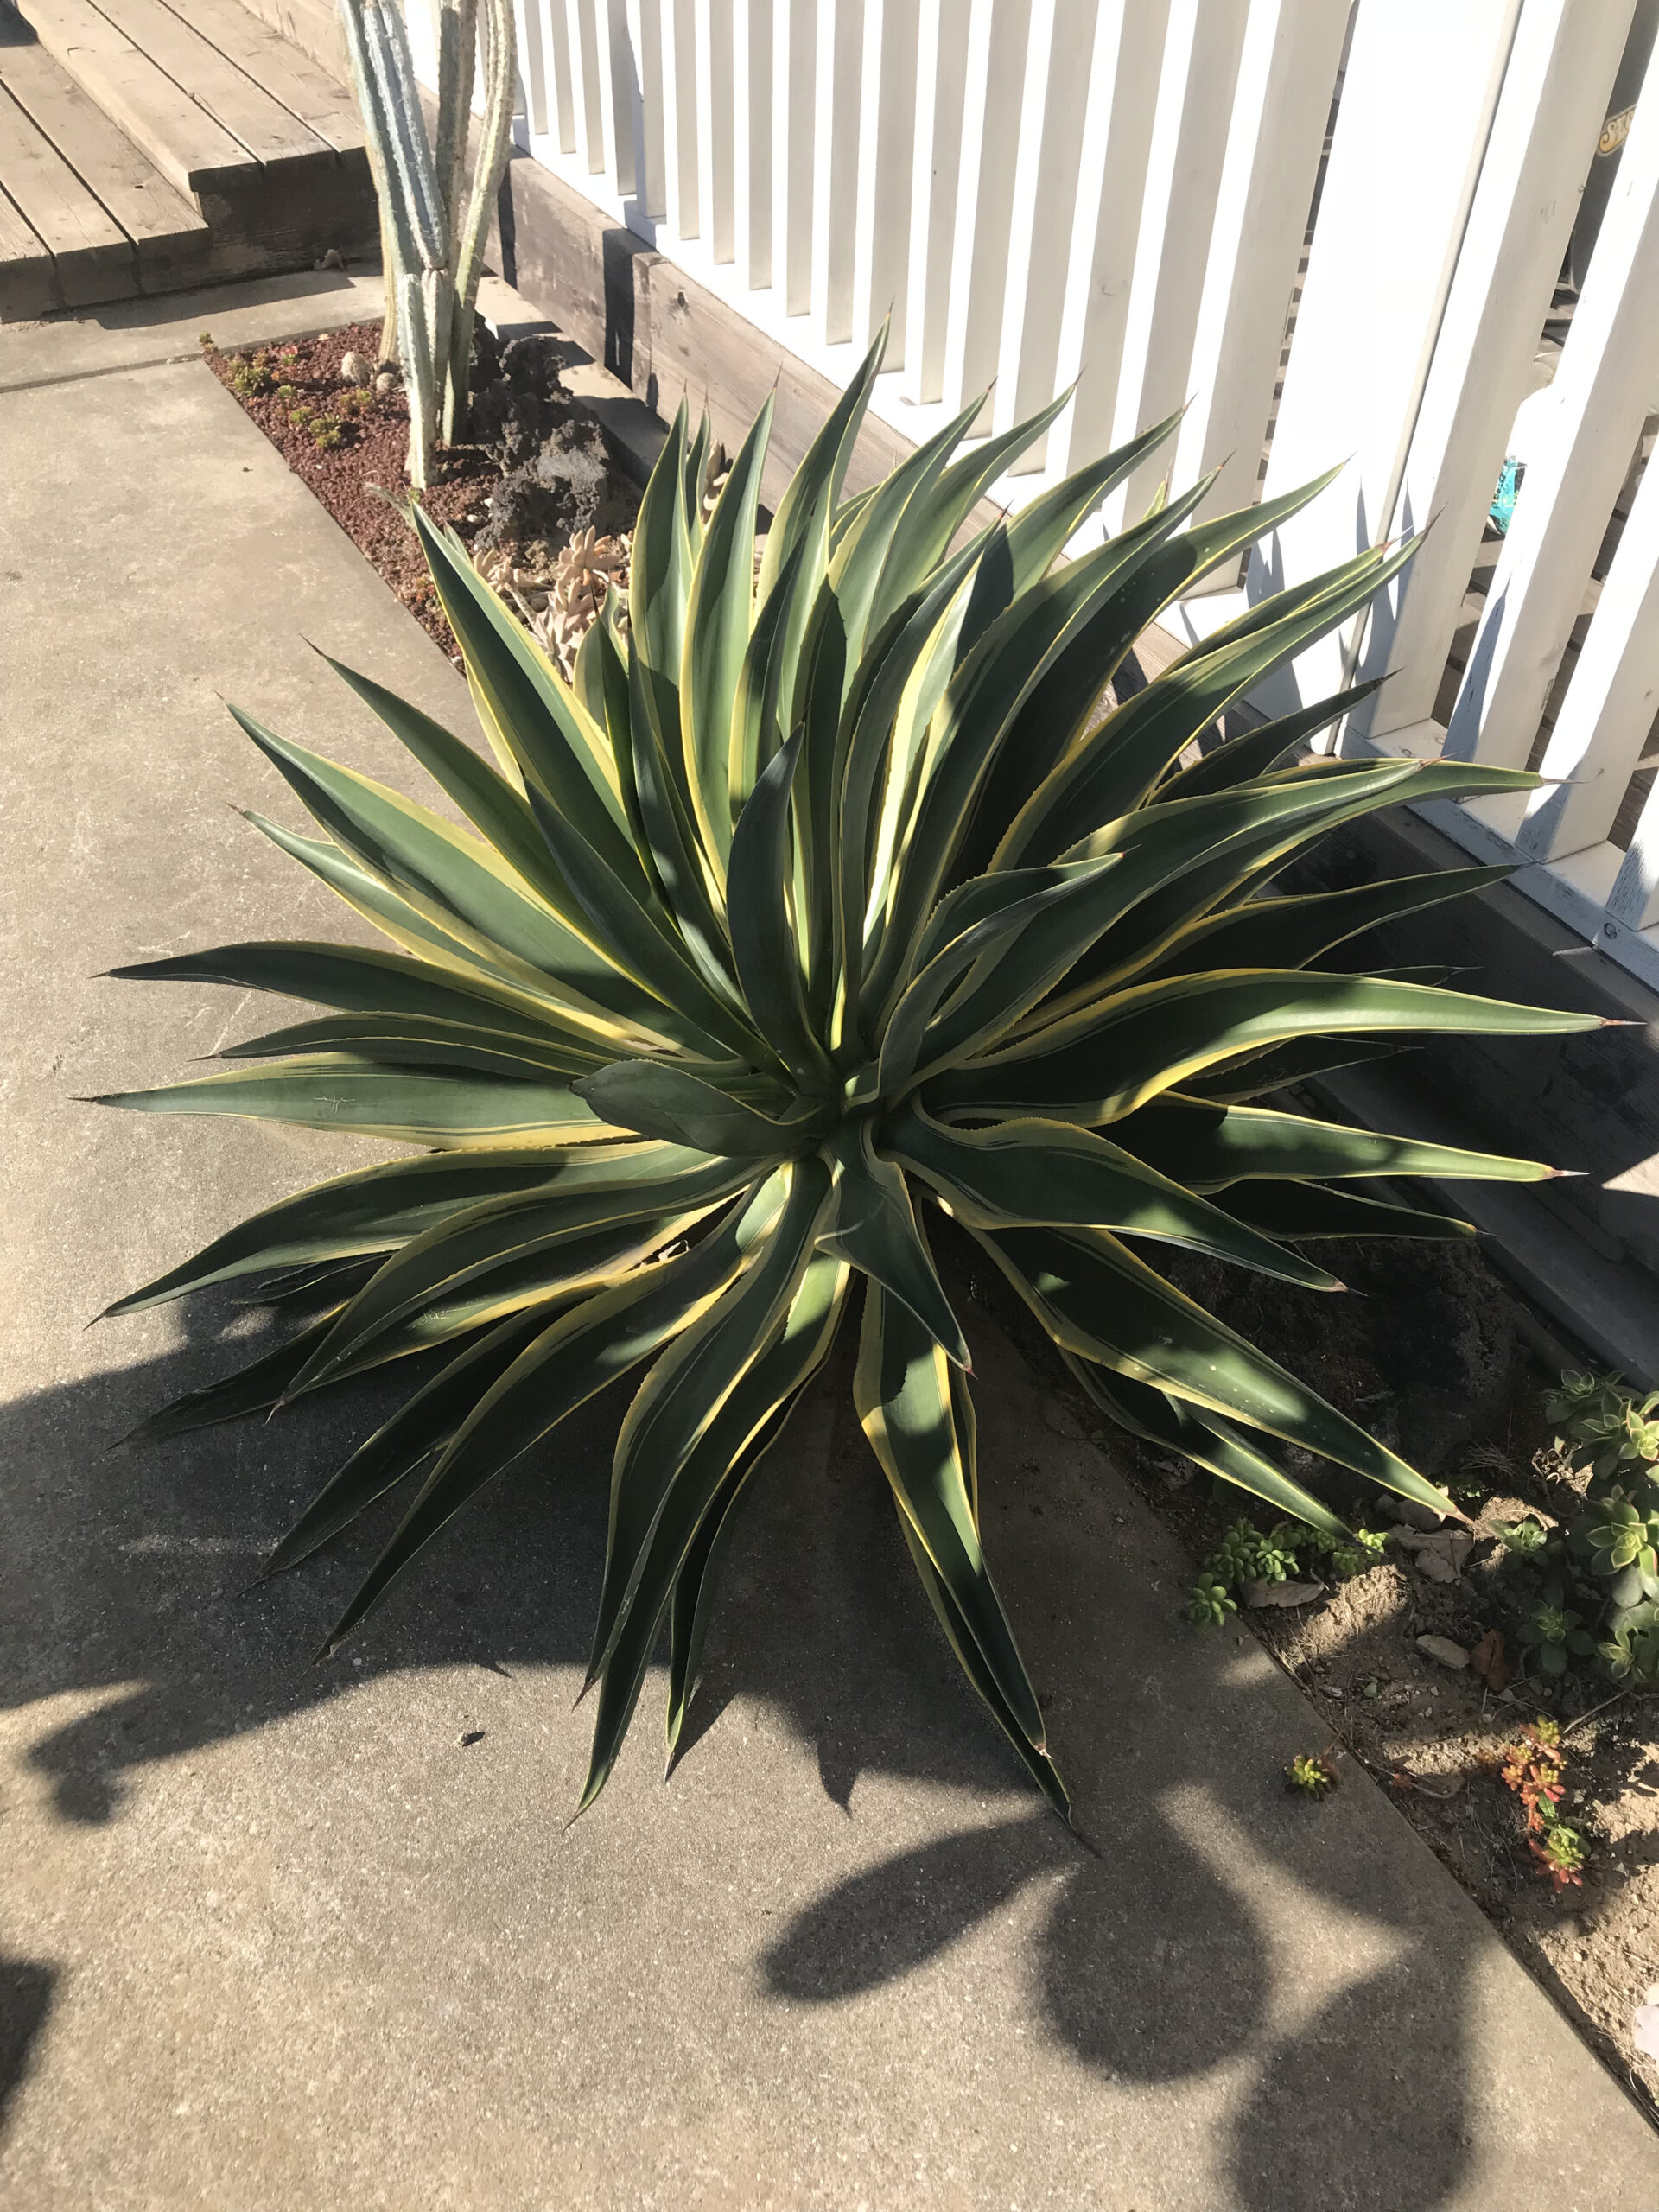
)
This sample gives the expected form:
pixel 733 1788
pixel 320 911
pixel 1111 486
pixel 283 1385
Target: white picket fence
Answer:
pixel 1116 194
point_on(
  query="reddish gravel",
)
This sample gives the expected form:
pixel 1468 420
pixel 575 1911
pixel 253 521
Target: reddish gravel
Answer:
pixel 372 451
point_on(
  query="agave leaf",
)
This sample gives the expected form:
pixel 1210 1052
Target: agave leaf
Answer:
pixel 748 1424
pixel 1287 932
pixel 570 1362
pixel 763 936
pixel 677 863
pixel 1351 788
pixel 1097 1300
pixel 460 884
pixel 815 484
pixel 679 1399
pixel 875 1231
pixel 645 945
pixel 367 895
pixel 497 809
pixel 250 1390
pixel 291 1285
pixel 718 621
pixel 922 1431
pixel 1149 1040
pixel 978 713
pixel 1039 1764
pixel 1060 708
pixel 1051 913
pixel 1286 1208
pixel 532 714
pixel 1171 856
pixel 378 1208
pixel 1045 1172
pixel 1257 1074
pixel 1015 557
pixel 755 735
pixel 917 648
pixel 423 1425
pixel 1108 770
pixel 858 602
pixel 1256 751
pixel 1210 1443
pixel 568 1237
pixel 1207 1146
pixel 331 1090
pixel 407 1040
pixel 659 1100
pixel 363 981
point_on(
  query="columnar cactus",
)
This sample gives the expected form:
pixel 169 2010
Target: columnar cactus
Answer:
pixel 432 229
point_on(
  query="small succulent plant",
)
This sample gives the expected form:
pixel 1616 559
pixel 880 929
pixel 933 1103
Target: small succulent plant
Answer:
pixel 1614 1541
pixel 1533 1767
pixel 1209 1602
pixel 1312 1774
pixel 1521 1540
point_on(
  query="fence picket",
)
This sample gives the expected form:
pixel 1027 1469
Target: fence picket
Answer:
pixel 887 105
pixel 941 92
pixel 1189 142
pixel 1602 390
pixel 1554 94
pixel 1383 257
pixel 1611 702
pixel 1125 66
pixel 1288 63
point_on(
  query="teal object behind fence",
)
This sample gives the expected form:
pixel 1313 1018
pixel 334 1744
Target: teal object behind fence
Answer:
pixel 1508 487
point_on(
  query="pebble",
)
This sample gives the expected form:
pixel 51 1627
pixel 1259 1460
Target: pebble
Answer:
pixel 1442 1651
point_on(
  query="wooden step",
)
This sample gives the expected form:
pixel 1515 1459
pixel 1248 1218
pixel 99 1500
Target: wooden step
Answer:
pixel 264 143
pixel 107 224
pixel 91 254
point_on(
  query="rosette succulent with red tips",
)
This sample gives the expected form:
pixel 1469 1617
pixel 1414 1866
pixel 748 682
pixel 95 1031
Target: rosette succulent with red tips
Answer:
pixel 823 901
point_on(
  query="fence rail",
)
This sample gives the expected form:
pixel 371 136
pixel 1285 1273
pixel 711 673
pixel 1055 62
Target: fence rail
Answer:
pixel 1116 194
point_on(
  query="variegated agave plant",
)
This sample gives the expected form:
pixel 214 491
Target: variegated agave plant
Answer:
pixel 820 900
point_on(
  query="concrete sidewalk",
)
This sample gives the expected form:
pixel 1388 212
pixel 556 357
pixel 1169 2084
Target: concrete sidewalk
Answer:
pixel 278 1939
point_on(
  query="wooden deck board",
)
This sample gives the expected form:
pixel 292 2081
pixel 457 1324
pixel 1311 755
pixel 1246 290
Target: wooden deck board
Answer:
pixel 250 116
pixel 28 280
pixel 91 253
pixel 185 142
pixel 164 228
pixel 291 78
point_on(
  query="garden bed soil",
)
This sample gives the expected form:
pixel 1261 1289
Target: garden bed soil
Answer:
pixel 1428 1358
pixel 358 479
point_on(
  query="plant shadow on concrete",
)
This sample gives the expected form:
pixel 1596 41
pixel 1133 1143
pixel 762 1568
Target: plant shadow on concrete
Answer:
pixel 1151 1965
pixel 26 1991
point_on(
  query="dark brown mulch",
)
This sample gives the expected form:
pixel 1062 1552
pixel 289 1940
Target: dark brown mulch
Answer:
pixel 371 452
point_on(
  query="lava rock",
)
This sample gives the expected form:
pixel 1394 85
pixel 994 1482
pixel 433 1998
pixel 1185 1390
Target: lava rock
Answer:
pixel 570 486
pixel 517 398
